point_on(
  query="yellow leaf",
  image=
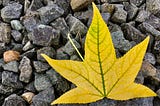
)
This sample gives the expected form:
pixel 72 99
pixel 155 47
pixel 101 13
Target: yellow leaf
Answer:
pixel 101 74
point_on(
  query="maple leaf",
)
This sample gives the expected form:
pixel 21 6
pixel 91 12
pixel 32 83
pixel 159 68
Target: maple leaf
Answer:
pixel 101 74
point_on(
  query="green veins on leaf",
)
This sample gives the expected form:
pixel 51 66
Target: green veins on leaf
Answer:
pixel 101 74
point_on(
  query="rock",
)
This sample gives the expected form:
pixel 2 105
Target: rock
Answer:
pixel 0 76
pixel 41 82
pixel 104 102
pixel 142 16
pixel 147 28
pixel 72 105
pixel 50 13
pixel 25 70
pixel 17 47
pixel 107 8
pixel 16 24
pixel 106 17
pixel 131 11
pixel 75 57
pixel 131 33
pixel 6 89
pixel 119 16
pixel 77 5
pixel 30 87
pixel 61 55
pixel 27 46
pixel 137 2
pixel 30 53
pixel 11 79
pixel 5 33
pixel 44 97
pixel 14 100
pixel 156 46
pixel 147 69
pixel 40 66
pixel 36 4
pixel 69 49
pixel 149 57
pixel 28 96
pixel 116 1
pixel 61 25
pixel 153 6
pixel 11 11
pixel 49 51
pixel 139 78
pixel 17 35
pixel 2 49
pixel 76 26
pixel 44 35
pixel 11 55
pixel 11 66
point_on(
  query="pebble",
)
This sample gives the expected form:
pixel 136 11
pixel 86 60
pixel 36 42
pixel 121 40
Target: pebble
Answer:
pixel 142 16
pixel 28 96
pixel 107 8
pixel 104 102
pixel 153 6
pixel 132 10
pixel 61 55
pixel 36 4
pixel 40 66
pixel 137 2
pixel 16 24
pixel 149 57
pixel 17 35
pixel 5 33
pixel 27 46
pixel 11 66
pixel 5 90
pixel 11 55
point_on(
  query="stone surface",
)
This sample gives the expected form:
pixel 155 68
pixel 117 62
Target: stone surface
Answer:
pixel 131 11
pixel 142 16
pixel 150 58
pixel 14 100
pixel 44 35
pixel 104 102
pixel 27 96
pixel 36 4
pixel 25 70
pixel 11 66
pixel 40 66
pixel 16 24
pixel 61 55
pixel 11 11
pixel 50 13
pixel 27 46
pixel 11 56
pixel 153 6
pixel 5 33
pixel 137 2
pixel 17 35
pixel 6 89
pixel 11 79
pixel 30 87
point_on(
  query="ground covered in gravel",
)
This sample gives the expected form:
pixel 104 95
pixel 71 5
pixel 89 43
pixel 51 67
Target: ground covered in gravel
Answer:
pixel 31 27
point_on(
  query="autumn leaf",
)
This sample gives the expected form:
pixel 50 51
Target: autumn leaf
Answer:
pixel 101 74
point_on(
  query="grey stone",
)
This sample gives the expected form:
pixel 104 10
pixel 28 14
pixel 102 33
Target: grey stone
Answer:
pixel 44 35
pixel 11 66
pixel 50 13
pixel 40 66
pixel 119 16
pixel 49 51
pixel 30 87
pixel 14 100
pixel 6 89
pixel 30 53
pixel 116 1
pixel 17 47
pixel 104 102
pixel 76 26
pixel 139 78
pixel 11 11
pixel 137 2
pixel 69 49
pixel 142 16
pixel 5 33
pixel 16 24
pixel 156 46
pixel 131 33
pixel 147 28
pixel 60 24
pixel 106 17
pixel 156 102
pixel 107 8
pixel 44 97
pixel 61 55
pixel 11 79
pixel 153 6
pixel 25 70
pixel 72 105
pixel 41 82
pixel 0 76
pixel 17 35
pixel 150 58
pixel 131 11
pixel 27 46
pixel 36 4
pixel 75 57
pixel 158 93
pixel 3 48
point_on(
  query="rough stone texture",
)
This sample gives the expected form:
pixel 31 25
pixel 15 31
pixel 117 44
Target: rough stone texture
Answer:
pixel 14 100
pixel 137 2
pixel 27 46
pixel 142 16
pixel 11 11
pixel 30 87
pixel 107 8
pixel 44 35
pixel 17 35
pixel 50 13
pixel 6 89
pixel 150 58
pixel 11 56
pixel 44 97
pixel 153 6
pixel 41 82
pixel 25 69
pixel 5 33
pixel 40 66
pixel 104 102
pixel 11 79
pixel 61 55
pixel 36 4
pixel 11 66
pixel 131 11
pixel 16 24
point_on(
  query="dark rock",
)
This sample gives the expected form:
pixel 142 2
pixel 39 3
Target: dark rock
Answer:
pixel 17 47
pixel 11 11
pixel 139 78
pixel 156 101
pixel 30 54
pixel 14 100
pixel 131 33
pixel 16 25
pixel 106 17
pixel 107 8
pixel 60 24
pixel 137 2
pixel 41 82
pixel 150 58
pixel 158 93
pixel 25 69
pixel 27 46
pixel 11 79
pixel 44 98
pixel 76 26
pixel 104 102
pixel 44 35
pixel 131 11
pixel 11 66
pixel 40 66
pixel 46 50
pixel 16 35
pixel 30 87
pixel 153 6
pixel 36 4
pixel 3 48
pixel 72 105
pixel 116 1
pixel 5 33
pixel 142 16
pixel 61 55
pixel 50 13
pixel 6 89
pixel 119 16
pixel 0 76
